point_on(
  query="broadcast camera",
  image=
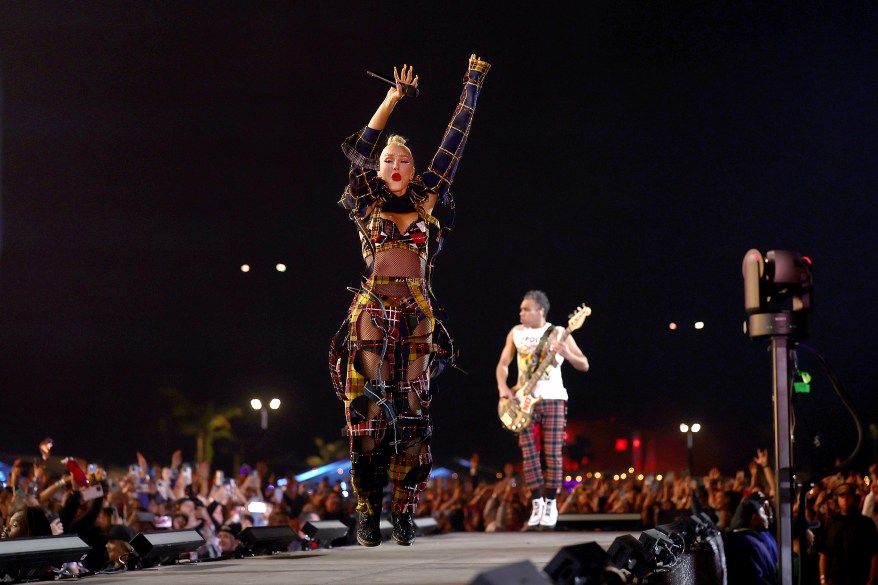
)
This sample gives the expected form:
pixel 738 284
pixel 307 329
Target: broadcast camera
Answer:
pixel 777 293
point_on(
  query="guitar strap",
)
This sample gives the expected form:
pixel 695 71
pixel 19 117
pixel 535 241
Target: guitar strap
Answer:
pixel 539 350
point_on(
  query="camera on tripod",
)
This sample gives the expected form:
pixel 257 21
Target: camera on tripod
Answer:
pixel 777 293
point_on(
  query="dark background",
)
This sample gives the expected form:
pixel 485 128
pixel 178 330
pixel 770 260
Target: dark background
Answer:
pixel 625 155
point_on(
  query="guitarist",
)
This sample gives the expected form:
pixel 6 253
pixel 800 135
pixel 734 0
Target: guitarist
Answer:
pixel 530 342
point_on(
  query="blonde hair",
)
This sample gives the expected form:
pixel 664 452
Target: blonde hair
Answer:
pixel 397 139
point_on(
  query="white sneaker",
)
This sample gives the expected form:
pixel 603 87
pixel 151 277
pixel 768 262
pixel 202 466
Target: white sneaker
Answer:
pixel 550 515
pixel 537 515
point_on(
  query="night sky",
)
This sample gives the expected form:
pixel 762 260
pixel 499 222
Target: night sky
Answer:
pixel 624 155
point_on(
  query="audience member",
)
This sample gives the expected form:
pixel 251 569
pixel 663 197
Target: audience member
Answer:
pixel 848 545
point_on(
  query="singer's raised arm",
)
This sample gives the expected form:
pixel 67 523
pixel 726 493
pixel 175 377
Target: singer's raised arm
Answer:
pixel 440 172
pixel 362 148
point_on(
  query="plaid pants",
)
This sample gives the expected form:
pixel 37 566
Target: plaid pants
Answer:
pixel 401 451
pixel 545 434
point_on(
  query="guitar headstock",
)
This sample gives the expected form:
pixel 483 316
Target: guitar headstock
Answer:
pixel 577 317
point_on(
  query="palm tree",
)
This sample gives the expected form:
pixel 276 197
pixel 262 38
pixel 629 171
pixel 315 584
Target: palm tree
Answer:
pixel 327 452
pixel 202 420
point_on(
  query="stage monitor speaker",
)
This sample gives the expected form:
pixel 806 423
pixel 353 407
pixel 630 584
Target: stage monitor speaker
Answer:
pixel 426 526
pixel 386 529
pixel 164 547
pixel 578 564
pixel 32 557
pixel 264 540
pixel 325 532
pixel 522 573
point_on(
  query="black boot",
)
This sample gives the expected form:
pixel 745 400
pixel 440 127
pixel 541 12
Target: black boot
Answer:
pixel 368 530
pixel 403 529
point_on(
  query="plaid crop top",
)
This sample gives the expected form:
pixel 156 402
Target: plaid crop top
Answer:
pixel 384 234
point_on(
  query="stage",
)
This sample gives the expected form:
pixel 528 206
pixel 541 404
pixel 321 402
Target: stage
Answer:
pixel 447 559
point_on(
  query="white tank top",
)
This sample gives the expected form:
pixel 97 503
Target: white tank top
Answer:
pixel 526 340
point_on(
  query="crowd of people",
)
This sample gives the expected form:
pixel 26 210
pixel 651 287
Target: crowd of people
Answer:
pixel 107 510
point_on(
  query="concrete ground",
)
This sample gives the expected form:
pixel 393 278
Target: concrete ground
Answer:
pixel 447 559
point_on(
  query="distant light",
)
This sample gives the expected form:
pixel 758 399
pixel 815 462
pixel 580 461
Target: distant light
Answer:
pixel 639 477
pixel 274 404
pixel 344 493
pixel 672 326
pixel 340 471
pixel 280 267
pixel 579 478
pixel 589 475
pixel 696 427
pixel 597 475
pixel 569 478
pixel 256 404
pixel 630 470
pixel 245 268
pixel 257 507
pixel 624 476
pixel 659 477
pixel 499 475
pixel 699 324
pixel 616 477
pixel 684 428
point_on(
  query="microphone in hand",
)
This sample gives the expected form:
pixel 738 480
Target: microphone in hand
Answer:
pixel 408 89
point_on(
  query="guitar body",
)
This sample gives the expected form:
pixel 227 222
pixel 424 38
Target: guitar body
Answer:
pixel 516 415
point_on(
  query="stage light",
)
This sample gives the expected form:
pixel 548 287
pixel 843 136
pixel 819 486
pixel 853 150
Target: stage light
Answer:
pixel 256 404
pixel 245 268
pixel 662 547
pixel 627 553
pixel 699 324
pixel 281 267
pixel 274 404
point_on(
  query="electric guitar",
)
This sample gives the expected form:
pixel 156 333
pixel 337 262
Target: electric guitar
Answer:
pixel 516 415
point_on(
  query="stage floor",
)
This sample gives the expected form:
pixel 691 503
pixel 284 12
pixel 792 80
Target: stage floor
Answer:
pixel 447 559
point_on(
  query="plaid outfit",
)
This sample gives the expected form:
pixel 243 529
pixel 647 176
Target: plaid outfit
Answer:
pixel 393 323
pixel 545 434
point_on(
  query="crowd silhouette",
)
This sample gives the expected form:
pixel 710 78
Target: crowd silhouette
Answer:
pixel 107 508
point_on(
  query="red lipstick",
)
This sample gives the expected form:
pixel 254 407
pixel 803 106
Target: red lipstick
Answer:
pixel 396 177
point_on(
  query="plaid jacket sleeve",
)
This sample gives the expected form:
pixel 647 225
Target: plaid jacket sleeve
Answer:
pixel 440 172
pixel 361 149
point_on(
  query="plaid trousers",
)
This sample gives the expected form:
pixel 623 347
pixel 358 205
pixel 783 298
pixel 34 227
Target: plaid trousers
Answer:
pixel 546 435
